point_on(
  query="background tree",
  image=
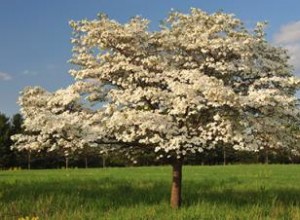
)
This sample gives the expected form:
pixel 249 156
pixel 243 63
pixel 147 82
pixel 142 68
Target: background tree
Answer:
pixel 6 157
pixel 16 124
pixel 200 82
pixel 8 127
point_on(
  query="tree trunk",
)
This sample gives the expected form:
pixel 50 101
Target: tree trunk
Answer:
pixel 224 155
pixel 67 162
pixel 29 160
pixel 103 162
pixel 86 162
pixel 267 156
pixel 176 184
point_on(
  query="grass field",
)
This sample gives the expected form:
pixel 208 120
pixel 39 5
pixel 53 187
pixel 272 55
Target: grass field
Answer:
pixel 209 192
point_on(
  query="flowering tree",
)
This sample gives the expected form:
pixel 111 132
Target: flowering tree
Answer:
pixel 200 82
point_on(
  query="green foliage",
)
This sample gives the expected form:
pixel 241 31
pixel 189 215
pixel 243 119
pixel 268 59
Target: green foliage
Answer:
pixel 16 124
pixel 210 192
pixel 9 158
pixel 5 142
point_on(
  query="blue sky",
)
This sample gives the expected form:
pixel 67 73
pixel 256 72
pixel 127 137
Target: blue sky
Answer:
pixel 35 36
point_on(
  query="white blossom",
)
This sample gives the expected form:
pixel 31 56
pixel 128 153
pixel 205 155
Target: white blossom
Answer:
pixel 200 82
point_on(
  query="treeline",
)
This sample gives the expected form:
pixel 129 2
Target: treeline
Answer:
pixel 13 159
pixel 8 127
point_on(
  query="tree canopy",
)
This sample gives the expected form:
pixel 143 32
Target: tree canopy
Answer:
pixel 200 81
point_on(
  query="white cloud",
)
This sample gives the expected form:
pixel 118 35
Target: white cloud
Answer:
pixel 29 72
pixel 5 76
pixel 289 33
pixel 289 37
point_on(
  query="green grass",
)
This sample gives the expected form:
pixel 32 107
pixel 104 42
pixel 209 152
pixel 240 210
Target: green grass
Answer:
pixel 215 192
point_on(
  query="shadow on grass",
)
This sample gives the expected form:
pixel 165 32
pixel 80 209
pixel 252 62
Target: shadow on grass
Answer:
pixel 219 193
pixel 109 194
